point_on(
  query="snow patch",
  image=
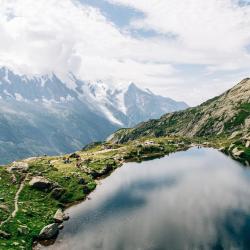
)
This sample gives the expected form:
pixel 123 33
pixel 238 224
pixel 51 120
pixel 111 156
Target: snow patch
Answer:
pixel 6 76
pixel 120 101
pixel 19 97
pixel 7 93
pixel 110 116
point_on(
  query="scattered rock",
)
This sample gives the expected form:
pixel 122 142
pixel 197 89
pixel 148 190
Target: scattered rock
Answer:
pixel 57 193
pixel 231 146
pixel 87 161
pixel 86 190
pixel 149 143
pixel 19 166
pixel 236 152
pixel 107 146
pixel 42 184
pixel 66 177
pixel 66 161
pixel 59 215
pixel 222 149
pixel 65 217
pixel 78 164
pixel 234 134
pixel 13 179
pixel 98 173
pixel 49 232
pixel 4 235
pixel 5 208
pixel 23 229
pixel 81 181
pixel 75 155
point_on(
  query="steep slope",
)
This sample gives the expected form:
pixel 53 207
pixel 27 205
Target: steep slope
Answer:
pixel 37 128
pixel 143 105
pixel 222 115
pixel 44 115
pixel 41 115
pixel 131 105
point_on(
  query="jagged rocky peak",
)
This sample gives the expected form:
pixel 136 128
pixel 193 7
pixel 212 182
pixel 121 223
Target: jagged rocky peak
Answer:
pixel 240 92
pixel 36 88
pixel 47 115
pixel 226 114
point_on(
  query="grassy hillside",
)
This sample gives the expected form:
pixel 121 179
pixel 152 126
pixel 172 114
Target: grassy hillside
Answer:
pixel 34 189
pixel 71 177
pixel 221 116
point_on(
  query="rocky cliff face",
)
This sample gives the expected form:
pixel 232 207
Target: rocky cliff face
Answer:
pixel 227 114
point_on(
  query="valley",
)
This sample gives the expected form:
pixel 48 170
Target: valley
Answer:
pixel 46 115
pixel 36 191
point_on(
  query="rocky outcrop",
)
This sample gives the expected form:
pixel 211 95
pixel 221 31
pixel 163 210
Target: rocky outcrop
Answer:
pixel 4 208
pixel 227 114
pixel 59 216
pixel 237 152
pixel 40 183
pixel 98 173
pixel 19 166
pixel 4 235
pixel 57 193
pixel 75 155
pixel 49 232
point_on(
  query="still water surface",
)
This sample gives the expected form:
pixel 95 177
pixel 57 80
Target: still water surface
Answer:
pixel 198 199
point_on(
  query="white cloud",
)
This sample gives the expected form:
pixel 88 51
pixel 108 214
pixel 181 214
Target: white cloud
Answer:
pixel 60 36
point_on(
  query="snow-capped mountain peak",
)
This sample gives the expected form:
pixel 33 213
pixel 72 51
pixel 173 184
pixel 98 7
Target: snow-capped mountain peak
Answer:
pixel 123 106
pixel 44 114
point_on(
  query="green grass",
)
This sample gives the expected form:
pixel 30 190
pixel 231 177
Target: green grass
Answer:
pixel 37 208
pixel 239 118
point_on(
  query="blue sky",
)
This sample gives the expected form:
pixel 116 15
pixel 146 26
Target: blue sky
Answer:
pixel 118 14
pixel 189 50
pixel 122 15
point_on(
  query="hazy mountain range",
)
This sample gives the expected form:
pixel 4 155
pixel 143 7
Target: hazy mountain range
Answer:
pixel 44 115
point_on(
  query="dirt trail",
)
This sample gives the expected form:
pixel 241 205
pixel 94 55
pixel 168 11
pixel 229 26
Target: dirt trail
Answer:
pixel 17 196
pixel 13 214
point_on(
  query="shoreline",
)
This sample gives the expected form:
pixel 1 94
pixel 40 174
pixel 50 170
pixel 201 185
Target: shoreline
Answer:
pixel 36 247
pixel 98 182
pixel 90 166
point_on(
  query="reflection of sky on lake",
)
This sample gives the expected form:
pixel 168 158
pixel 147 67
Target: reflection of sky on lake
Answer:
pixel 198 199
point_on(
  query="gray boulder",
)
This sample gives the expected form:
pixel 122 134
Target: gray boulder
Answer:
pixel 57 193
pixel 59 215
pixel 19 166
pixel 237 153
pixel 42 184
pixel 49 232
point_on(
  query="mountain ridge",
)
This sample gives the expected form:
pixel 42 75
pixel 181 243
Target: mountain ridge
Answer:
pixel 60 181
pixel 222 115
pixel 42 115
